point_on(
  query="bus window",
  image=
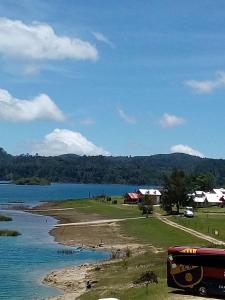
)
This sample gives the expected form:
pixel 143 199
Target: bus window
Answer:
pixel 215 261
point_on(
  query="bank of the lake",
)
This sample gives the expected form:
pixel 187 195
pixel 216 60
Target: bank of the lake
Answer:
pixel 27 258
pixel 143 241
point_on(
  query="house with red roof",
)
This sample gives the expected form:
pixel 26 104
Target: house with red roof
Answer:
pixel 132 198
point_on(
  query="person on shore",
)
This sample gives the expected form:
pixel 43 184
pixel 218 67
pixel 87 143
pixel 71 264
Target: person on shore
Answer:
pixel 88 285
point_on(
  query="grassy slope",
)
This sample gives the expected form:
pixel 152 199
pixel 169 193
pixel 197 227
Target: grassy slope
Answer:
pixel 159 234
pixel 89 209
pixel 207 220
pixel 117 279
pixel 112 278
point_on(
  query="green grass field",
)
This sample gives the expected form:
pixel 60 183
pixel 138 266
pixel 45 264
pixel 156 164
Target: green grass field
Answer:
pixel 207 220
pixel 159 234
pixel 101 208
pixel 116 280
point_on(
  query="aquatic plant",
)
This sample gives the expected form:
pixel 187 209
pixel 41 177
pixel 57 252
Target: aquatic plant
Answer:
pixel 6 232
pixel 5 218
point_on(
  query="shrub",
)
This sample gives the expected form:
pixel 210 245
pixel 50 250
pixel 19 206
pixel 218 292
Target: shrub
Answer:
pixel 128 252
pixel 147 277
pixel 124 263
pixel 97 268
pixel 115 254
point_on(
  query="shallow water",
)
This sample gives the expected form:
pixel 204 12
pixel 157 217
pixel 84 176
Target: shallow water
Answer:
pixel 25 259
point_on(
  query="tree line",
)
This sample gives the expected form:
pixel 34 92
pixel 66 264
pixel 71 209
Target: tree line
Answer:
pixel 178 186
pixel 138 170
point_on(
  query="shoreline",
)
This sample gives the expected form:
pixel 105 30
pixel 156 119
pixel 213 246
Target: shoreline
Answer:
pixel 88 228
pixel 72 280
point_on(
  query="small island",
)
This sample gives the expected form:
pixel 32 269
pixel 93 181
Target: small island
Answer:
pixel 5 218
pixel 6 232
pixel 32 181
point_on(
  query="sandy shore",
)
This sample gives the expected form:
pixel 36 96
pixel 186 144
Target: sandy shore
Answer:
pixel 98 235
pixel 71 280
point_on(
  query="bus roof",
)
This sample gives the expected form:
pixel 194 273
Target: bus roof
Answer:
pixel 196 250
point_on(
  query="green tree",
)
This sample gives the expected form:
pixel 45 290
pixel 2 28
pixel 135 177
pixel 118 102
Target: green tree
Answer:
pixel 146 205
pixel 204 182
pixel 175 191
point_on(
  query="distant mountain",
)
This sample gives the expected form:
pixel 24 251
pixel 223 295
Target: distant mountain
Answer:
pixel 107 169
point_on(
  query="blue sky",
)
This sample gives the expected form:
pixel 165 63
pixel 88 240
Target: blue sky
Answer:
pixel 112 77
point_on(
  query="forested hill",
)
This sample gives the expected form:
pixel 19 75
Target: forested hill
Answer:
pixel 102 169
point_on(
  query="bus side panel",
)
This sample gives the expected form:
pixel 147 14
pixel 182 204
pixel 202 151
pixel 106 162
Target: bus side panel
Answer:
pixel 183 276
pixel 170 281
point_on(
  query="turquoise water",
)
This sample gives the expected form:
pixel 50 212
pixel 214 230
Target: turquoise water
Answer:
pixel 25 259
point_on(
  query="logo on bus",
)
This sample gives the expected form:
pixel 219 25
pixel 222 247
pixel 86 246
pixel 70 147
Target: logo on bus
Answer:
pixel 187 276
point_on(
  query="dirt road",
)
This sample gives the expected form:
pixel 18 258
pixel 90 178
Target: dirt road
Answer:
pixel 97 222
pixel 191 231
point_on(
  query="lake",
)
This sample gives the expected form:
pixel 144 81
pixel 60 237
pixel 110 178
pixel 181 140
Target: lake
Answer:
pixel 32 194
pixel 25 259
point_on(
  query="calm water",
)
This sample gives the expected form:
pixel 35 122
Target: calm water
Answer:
pixel 25 259
pixel 59 191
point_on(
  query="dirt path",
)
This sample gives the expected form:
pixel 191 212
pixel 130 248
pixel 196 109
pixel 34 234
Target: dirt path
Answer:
pixel 49 209
pixel 191 231
pixel 97 222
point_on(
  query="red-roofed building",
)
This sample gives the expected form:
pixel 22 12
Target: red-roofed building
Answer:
pixel 131 198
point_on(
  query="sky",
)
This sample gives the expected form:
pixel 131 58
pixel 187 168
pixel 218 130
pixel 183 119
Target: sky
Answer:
pixel 112 77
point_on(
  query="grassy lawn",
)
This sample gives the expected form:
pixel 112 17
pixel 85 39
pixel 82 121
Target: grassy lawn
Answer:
pixel 206 223
pixel 116 280
pixel 94 209
pixel 159 234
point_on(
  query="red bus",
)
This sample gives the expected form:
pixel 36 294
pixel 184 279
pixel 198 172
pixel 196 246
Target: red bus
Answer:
pixel 197 269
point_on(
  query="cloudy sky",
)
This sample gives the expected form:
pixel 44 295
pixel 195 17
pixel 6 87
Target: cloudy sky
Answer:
pixel 112 77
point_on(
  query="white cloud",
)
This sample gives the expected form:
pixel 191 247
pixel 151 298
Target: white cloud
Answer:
pixel 126 117
pixel 207 86
pixel 17 110
pixel 102 38
pixel 38 41
pixel 64 141
pixel 87 122
pixel 185 149
pixel 171 120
